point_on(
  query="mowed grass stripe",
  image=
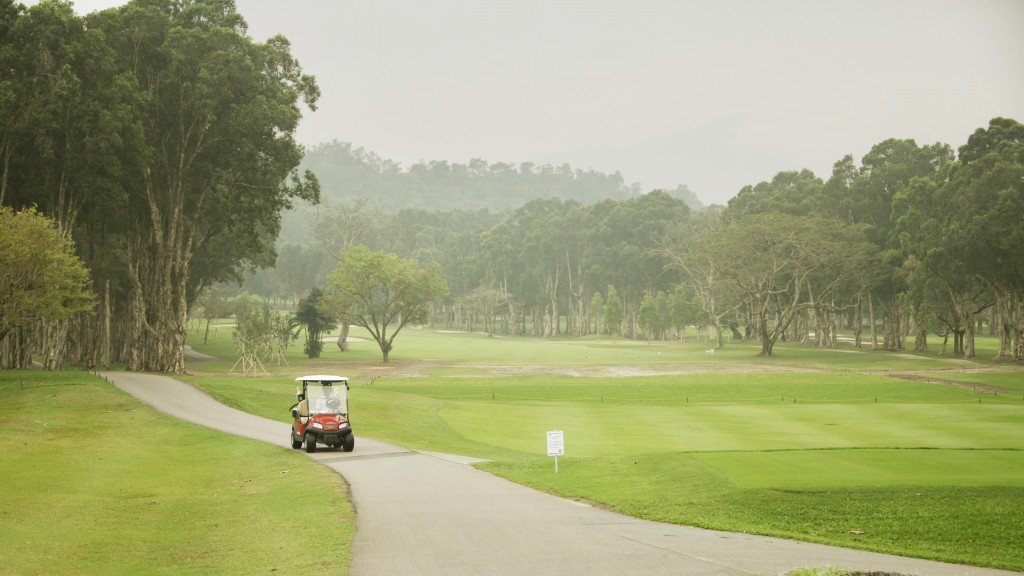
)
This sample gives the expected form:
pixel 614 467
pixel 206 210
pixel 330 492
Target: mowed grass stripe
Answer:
pixel 685 389
pixel 868 468
pixel 603 430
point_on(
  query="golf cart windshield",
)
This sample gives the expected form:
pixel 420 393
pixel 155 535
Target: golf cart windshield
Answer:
pixel 327 398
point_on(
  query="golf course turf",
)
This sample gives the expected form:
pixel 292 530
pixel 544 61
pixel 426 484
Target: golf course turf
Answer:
pixel 864 449
pixel 846 447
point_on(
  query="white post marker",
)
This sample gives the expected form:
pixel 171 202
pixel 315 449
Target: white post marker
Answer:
pixel 556 445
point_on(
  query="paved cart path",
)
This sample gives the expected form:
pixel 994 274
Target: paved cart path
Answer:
pixel 421 513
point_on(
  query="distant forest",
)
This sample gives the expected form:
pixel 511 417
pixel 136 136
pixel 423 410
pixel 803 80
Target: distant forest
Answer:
pixel 348 173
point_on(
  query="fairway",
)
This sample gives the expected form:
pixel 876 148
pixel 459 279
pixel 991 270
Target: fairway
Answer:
pixel 945 438
pixel 909 466
pixel 864 449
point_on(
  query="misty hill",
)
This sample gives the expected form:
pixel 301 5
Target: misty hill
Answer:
pixel 348 173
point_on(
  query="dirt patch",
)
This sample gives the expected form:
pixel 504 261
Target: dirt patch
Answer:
pixel 948 378
pixel 623 371
pixel 371 370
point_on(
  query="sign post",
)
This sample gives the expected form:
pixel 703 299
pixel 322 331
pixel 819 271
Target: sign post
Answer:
pixel 556 445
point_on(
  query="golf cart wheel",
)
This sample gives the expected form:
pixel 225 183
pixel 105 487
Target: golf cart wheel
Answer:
pixel 349 443
pixel 310 443
pixel 296 442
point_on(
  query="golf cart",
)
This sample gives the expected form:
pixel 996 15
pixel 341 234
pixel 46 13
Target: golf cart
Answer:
pixel 321 414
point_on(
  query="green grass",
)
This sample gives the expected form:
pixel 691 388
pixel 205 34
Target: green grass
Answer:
pixel 1009 380
pixel 96 483
pixel 462 351
pixel 811 444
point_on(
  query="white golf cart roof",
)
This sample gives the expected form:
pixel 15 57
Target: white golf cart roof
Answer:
pixel 322 378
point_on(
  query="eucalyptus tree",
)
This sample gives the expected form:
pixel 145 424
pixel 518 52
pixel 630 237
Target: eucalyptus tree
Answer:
pixel 596 315
pixel 623 247
pixel 689 251
pixel 535 238
pixel 215 161
pixel 925 228
pixel 500 246
pixel 647 317
pixel 64 123
pixel 613 314
pixel 885 171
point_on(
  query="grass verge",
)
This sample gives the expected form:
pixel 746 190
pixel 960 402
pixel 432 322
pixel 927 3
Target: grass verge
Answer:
pixel 96 483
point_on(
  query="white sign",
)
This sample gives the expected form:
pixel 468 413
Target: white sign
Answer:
pixel 556 443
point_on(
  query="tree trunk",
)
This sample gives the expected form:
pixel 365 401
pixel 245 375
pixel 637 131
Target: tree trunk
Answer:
pixel 858 323
pixel 920 337
pixel 104 360
pixel 1007 320
pixel 55 335
pixel 874 324
pixel 892 324
pixel 343 337
pixel 969 338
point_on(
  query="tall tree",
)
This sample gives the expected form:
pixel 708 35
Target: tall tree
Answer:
pixel 216 157
pixel 885 171
pixel 963 227
pixel 613 312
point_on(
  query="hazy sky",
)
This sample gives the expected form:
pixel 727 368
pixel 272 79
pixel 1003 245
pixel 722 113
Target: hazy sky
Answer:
pixel 713 94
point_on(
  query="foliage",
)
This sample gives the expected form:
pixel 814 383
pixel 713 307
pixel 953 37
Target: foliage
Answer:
pixel 161 135
pixel 310 315
pixel 40 276
pixel 613 312
pixel 383 293
pixel 963 229
pixel 780 264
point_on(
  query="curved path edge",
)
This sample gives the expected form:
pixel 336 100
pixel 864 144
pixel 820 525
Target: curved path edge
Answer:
pixel 423 513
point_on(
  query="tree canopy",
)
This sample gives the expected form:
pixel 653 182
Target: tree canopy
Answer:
pixel 160 135
pixel 41 278
pixel 383 293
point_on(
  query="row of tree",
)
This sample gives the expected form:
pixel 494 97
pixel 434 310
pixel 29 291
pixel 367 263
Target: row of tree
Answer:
pixel 915 240
pixel 159 136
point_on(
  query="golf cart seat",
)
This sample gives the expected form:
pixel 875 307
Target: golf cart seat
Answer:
pixel 303 408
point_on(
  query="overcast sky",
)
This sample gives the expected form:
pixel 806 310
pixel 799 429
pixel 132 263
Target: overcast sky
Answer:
pixel 712 94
